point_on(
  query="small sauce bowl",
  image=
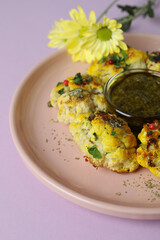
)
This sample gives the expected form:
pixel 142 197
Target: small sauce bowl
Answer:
pixel 134 95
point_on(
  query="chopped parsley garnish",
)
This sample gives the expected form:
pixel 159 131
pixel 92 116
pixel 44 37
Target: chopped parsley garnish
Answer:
pixel 113 133
pixel 155 58
pixel 61 91
pixel 118 193
pixel 91 110
pixel 94 152
pixel 107 153
pixel 95 136
pixel 103 59
pixel 59 83
pixel 49 104
pixel 124 54
pixel 119 61
pixel 78 79
pixel 151 58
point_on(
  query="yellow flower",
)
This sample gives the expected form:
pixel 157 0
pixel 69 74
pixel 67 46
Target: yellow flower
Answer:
pixel 78 26
pixel 80 17
pixel 69 32
pixel 104 38
pixel 56 40
pixel 84 39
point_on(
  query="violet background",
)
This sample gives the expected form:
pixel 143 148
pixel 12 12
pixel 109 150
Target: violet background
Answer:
pixel 28 209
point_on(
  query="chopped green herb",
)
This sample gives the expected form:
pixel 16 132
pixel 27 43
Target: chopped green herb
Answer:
pixel 151 58
pixel 119 61
pixel 78 79
pixel 107 153
pixel 91 110
pixel 61 91
pixel 118 194
pixel 95 136
pixel 49 104
pixel 94 152
pixel 59 83
pixel 124 54
pixel 149 184
pixel 103 59
pixel 157 194
pixel 113 133
pixel 116 58
pixel 87 79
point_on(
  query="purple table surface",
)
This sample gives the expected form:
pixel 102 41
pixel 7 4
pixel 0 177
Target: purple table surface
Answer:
pixel 28 209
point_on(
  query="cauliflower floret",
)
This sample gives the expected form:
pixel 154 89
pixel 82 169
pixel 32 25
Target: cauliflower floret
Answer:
pixel 106 141
pixel 79 94
pixel 148 153
pixel 153 61
pixel 84 82
pixel 115 63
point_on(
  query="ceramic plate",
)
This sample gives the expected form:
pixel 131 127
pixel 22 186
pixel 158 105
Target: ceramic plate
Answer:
pixel 47 148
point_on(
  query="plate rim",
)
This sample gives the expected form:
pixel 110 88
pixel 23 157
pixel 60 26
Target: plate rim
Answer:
pixel 66 192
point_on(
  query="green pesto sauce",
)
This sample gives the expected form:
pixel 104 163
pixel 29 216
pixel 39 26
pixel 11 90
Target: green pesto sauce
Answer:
pixel 138 94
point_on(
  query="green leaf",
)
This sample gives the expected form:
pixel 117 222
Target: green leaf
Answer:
pixel 78 79
pixel 116 59
pixel 126 26
pixel 59 83
pixel 103 59
pixel 124 54
pixel 49 104
pixel 149 11
pixel 95 136
pixel 129 9
pixel 151 58
pixel 61 91
pixel 113 133
pixel 91 110
pixel 94 152
pixel 107 153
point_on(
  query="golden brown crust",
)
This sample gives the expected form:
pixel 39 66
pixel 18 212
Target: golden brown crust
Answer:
pixel 148 153
pixel 106 141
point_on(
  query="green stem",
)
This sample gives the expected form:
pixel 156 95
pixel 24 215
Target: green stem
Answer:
pixel 106 10
pixel 139 12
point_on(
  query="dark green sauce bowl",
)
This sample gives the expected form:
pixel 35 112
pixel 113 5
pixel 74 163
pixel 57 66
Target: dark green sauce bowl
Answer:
pixel 134 95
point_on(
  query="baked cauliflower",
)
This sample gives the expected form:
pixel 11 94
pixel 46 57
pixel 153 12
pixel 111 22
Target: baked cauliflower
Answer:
pixel 153 61
pixel 107 67
pixel 148 153
pixel 105 141
pixel 79 94
pixel 84 82
pixel 78 101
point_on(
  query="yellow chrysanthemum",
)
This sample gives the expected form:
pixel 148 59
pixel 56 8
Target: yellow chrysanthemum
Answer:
pixel 80 17
pixel 78 26
pixel 104 38
pixel 84 39
pixel 56 40
pixel 69 32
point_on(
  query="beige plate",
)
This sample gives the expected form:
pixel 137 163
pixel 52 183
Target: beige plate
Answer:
pixel 48 150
